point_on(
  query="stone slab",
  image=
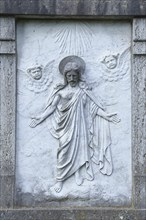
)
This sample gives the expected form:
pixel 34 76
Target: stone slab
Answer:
pixel 7 109
pixel 73 214
pixel 46 9
pixel 7 47
pixel 139 192
pixel 139 112
pixel 49 42
pixel 73 8
pixel 139 131
pixel 139 29
pixel 7 27
pixel 139 48
pixel 7 186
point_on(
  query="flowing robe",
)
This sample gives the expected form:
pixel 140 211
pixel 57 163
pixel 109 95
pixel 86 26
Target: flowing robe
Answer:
pixel 76 147
pixel 100 141
pixel 69 126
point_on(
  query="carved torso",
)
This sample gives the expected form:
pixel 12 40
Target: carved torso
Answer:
pixel 66 94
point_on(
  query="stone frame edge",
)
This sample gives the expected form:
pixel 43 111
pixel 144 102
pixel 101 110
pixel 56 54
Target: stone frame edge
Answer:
pixel 8 58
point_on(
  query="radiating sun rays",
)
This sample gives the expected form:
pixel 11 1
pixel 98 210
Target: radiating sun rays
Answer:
pixel 73 38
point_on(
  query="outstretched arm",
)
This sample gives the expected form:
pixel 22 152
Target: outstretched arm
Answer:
pixel 112 117
pixel 40 118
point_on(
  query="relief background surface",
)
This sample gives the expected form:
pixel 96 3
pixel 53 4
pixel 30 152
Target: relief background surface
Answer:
pixel 44 44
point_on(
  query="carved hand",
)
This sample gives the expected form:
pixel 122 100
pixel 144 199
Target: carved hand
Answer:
pixel 112 117
pixel 35 121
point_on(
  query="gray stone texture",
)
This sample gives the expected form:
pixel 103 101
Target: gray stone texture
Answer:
pixel 7 191
pixel 7 111
pixel 139 31
pixel 139 48
pixel 73 214
pixel 73 8
pixel 86 8
pixel 7 28
pixel 7 47
pixel 139 112
pixel 33 170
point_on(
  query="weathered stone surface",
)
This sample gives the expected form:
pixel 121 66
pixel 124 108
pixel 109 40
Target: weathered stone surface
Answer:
pixel 139 29
pixel 37 182
pixel 7 47
pixel 8 88
pixel 139 112
pixel 7 187
pixel 118 214
pixel 139 94
pixel 140 214
pixel 73 214
pixel 7 28
pixel 7 134
pixel 85 9
pixel 140 192
pixel 7 111
pixel 73 8
pixel 139 48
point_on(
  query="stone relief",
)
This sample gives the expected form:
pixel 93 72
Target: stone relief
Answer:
pixel 111 61
pixel 39 176
pixel 38 78
pixel 113 69
pixel 74 38
pixel 115 66
pixel 70 126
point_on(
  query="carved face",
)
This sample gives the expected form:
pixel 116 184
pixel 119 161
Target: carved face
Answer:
pixel 72 78
pixel 35 73
pixel 110 61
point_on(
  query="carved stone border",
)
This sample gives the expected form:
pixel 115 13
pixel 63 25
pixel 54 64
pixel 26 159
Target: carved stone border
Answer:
pixel 7 111
pixel 139 113
pixel 73 214
pixel 7 135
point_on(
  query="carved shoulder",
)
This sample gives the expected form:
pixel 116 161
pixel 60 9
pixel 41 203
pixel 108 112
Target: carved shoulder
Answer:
pixel 56 99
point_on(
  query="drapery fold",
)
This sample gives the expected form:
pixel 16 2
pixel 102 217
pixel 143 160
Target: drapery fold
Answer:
pixel 78 147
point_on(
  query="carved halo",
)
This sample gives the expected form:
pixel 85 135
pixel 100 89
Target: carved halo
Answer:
pixel 79 61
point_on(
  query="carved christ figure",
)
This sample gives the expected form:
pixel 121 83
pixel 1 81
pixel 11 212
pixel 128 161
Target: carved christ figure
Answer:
pixel 81 143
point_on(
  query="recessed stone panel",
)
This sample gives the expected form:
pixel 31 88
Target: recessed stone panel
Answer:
pixel 73 113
